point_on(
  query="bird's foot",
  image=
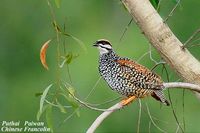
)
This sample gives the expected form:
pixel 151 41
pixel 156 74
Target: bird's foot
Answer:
pixel 128 100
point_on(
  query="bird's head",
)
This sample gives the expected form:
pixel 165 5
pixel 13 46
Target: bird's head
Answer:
pixel 103 45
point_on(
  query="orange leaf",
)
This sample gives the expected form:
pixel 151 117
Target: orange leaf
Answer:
pixel 43 54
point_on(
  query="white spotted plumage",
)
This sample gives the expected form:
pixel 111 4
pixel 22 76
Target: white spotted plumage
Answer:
pixel 126 76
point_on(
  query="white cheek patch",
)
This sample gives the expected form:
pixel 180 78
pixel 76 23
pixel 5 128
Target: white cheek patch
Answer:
pixel 102 50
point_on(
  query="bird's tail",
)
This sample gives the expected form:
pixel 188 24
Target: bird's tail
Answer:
pixel 159 95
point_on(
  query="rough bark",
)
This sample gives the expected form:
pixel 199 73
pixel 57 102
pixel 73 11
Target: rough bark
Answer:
pixel 162 38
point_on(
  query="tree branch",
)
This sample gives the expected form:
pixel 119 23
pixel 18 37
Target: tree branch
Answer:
pixel 171 85
pixel 162 38
pixel 188 86
pixel 105 114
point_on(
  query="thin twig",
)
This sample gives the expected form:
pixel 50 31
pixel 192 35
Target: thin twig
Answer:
pixel 142 56
pixel 194 45
pixel 193 42
pixel 55 105
pixel 150 55
pixel 117 106
pixel 159 63
pixel 158 7
pixel 85 104
pixel 105 102
pixel 153 120
pixel 174 113
pixel 125 29
pixel 191 37
pixel 64 42
pixel 183 109
pixel 67 118
pixel 149 126
pixel 173 110
pixel 172 11
pixel 93 88
pixel 139 116
pixel 170 100
pixel 177 129
pixel 88 106
pixel 70 115
pixel 53 17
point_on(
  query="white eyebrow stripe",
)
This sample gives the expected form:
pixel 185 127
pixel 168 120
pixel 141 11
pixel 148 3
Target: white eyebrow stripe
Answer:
pixel 106 46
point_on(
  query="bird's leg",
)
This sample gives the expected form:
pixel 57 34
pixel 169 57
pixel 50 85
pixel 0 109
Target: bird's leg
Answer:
pixel 128 100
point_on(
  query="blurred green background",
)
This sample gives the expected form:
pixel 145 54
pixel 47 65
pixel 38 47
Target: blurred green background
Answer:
pixel 26 24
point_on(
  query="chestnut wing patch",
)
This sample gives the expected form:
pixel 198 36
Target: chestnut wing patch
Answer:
pixel 152 81
pixel 133 65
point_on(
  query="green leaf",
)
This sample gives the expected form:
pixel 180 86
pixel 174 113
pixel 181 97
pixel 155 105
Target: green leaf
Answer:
pixel 38 94
pixel 69 58
pixel 39 113
pixel 71 91
pixel 49 117
pixel 71 101
pixel 60 106
pixel 78 112
pixel 63 62
pixel 70 97
pixel 58 3
pixel 82 45
pixel 155 3
pixel 56 27
pixel 43 97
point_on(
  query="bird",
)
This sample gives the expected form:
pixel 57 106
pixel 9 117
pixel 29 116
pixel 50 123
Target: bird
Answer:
pixel 127 77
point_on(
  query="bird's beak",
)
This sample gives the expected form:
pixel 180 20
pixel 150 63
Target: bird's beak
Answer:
pixel 95 45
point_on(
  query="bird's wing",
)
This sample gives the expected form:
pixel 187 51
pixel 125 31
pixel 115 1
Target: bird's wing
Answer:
pixel 139 75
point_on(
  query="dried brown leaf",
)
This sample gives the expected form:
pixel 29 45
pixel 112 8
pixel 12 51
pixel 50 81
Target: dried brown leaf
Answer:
pixel 43 54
